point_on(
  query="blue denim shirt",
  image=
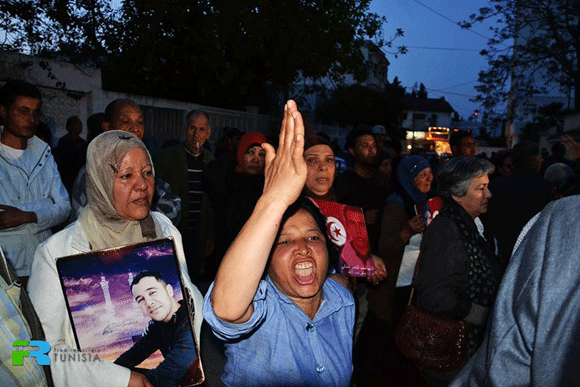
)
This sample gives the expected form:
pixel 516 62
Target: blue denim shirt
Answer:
pixel 281 345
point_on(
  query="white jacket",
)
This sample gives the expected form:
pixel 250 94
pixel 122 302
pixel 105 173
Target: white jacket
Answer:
pixel 48 299
pixel 42 193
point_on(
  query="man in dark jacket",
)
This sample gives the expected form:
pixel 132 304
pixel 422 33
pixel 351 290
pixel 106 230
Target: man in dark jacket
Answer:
pixel 71 152
pixel 363 186
pixel 182 167
pixel 168 331
pixel 517 198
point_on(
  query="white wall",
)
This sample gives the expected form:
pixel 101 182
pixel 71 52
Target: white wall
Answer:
pixel 443 119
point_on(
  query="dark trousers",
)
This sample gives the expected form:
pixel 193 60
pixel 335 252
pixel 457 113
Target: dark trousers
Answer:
pixel 376 358
pixel 189 238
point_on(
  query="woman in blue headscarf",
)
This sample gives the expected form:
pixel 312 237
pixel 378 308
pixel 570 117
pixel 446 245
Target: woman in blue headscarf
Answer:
pixel 399 244
pixel 400 238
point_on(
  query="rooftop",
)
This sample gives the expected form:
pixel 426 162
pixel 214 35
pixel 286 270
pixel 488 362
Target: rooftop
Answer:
pixel 437 105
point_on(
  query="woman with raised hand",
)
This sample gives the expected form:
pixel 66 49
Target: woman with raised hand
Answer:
pixel 120 184
pixel 284 321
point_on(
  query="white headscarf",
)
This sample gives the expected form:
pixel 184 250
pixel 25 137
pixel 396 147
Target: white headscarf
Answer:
pixel 103 227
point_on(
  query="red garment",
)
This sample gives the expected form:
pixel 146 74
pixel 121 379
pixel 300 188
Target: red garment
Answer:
pixel 246 141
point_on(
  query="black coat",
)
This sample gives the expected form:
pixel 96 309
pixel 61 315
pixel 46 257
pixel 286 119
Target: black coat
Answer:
pixel 515 200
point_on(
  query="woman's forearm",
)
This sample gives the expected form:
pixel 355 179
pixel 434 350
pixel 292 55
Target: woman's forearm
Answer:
pixel 243 264
pixel 242 267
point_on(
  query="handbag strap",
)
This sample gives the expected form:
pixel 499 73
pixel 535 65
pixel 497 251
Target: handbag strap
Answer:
pixel 27 310
pixel 417 266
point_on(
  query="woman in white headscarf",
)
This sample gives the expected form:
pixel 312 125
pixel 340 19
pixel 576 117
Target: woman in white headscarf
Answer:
pixel 120 181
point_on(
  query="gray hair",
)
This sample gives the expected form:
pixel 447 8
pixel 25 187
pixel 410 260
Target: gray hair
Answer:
pixel 196 113
pixel 455 176
pixel 558 173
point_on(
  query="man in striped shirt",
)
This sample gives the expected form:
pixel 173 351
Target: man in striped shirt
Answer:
pixel 182 167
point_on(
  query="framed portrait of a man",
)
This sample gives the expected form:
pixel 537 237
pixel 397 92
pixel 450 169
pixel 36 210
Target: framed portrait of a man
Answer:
pixel 129 305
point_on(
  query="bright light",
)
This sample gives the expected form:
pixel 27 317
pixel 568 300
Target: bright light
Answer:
pixel 416 135
pixel 409 147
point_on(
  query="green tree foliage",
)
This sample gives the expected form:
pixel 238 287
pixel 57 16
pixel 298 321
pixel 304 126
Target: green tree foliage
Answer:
pixel 422 94
pixel 419 91
pixel 355 105
pixel 224 53
pixel 535 46
pixel 485 135
pixel 81 29
pixel 546 117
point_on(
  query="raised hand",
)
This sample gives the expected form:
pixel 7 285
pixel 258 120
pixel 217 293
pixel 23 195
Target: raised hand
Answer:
pixel 242 267
pixel 286 169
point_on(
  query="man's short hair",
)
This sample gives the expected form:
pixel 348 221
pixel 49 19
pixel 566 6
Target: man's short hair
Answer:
pixel 525 156
pixel 355 133
pixel 94 127
pixel 71 120
pixel 148 273
pixel 14 89
pixel 195 113
pixel 113 106
pixel 456 138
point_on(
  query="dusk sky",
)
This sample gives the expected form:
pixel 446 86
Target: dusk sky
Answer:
pixel 440 54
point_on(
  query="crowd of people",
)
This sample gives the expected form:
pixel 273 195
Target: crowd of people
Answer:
pixel 497 253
